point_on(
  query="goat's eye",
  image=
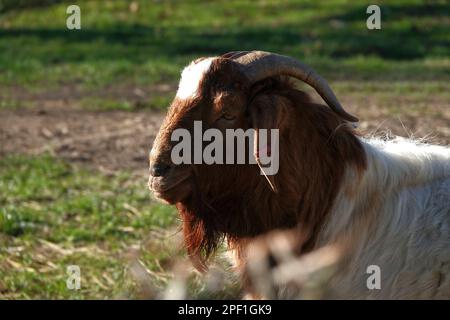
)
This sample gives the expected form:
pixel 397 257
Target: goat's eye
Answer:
pixel 236 85
pixel 228 117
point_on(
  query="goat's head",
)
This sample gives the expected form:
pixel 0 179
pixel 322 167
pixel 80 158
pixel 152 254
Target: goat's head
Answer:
pixel 211 90
pixel 217 91
pixel 225 92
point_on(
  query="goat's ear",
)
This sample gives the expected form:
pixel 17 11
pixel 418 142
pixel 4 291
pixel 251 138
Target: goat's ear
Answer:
pixel 266 112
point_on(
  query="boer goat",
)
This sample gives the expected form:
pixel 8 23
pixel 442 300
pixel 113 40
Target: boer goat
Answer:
pixel 384 203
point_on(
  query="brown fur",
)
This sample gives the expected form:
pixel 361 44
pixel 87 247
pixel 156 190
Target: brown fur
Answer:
pixel 235 202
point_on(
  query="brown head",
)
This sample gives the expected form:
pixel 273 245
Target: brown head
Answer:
pixel 249 90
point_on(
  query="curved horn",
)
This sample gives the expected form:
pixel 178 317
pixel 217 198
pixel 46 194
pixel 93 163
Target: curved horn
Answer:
pixel 234 54
pixel 259 65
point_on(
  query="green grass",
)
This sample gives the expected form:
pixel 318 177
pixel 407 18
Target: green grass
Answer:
pixel 150 46
pixel 50 212
pixel 53 215
pixel 52 195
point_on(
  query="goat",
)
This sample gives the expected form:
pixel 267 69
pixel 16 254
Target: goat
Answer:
pixel 383 203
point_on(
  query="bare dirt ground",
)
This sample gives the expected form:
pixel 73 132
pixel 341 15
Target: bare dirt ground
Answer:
pixel 121 140
pixel 105 140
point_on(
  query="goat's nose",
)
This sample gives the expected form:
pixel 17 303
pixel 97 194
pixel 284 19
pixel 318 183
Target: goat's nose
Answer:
pixel 159 169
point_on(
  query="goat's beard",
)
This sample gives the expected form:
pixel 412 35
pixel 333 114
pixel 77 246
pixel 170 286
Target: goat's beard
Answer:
pixel 215 212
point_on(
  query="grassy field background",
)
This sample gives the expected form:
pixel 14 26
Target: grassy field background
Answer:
pixel 79 110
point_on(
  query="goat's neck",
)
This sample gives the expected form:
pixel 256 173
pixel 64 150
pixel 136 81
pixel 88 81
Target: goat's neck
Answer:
pixel 403 163
pixel 321 148
pixel 392 167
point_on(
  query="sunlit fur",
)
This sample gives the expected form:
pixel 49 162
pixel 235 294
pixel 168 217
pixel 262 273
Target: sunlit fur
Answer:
pixel 397 216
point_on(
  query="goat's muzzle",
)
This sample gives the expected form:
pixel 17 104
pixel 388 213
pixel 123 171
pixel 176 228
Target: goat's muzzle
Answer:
pixel 159 169
pixel 168 182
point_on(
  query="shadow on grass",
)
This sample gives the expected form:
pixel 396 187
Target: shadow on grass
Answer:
pixel 408 32
pixel 407 42
pixel 398 11
pixel 9 5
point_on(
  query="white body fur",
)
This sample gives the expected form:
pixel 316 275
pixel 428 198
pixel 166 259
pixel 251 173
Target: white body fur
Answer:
pixel 396 217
